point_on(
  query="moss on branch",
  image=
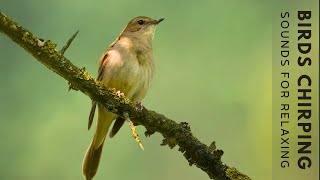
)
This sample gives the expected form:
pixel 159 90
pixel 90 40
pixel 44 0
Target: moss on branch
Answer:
pixel 206 158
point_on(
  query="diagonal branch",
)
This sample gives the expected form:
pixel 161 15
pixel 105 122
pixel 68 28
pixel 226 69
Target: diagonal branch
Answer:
pixel 197 153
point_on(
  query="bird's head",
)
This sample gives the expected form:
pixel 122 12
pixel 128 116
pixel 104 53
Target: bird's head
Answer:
pixel 142 27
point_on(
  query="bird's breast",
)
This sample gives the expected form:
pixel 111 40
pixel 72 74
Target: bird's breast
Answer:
pixel 130 73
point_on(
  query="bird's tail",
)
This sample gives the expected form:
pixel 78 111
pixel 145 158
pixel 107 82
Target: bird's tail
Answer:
pixel 92 158
pixel 91 161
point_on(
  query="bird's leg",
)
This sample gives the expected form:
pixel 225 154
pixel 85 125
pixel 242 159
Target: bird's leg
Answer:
pixel 133 129
pixel 139 106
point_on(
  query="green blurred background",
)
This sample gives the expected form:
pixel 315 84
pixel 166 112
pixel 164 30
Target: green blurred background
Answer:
pixel 213 70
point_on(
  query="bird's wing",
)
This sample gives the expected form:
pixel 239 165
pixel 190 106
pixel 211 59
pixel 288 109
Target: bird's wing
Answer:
pixel 102 65
pixel 91 115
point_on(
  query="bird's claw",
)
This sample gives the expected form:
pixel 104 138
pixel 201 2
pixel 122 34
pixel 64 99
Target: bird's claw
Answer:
pixel 119 94
pixel 139 106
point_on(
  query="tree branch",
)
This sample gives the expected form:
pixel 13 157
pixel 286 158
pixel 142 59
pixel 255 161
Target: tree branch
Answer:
pixel 197 153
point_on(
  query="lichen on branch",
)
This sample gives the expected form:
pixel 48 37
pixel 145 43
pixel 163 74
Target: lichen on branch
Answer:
pixel 206 158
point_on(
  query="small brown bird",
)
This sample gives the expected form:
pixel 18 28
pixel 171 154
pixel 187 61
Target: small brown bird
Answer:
pixel 127 65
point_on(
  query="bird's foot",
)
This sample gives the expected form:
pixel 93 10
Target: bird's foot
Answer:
pixel 119 94
pixel 139 106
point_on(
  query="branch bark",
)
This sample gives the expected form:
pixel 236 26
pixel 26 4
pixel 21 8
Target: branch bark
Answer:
pixel 206 158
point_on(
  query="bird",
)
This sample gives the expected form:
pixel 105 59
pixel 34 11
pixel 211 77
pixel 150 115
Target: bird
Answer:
pixel 127 66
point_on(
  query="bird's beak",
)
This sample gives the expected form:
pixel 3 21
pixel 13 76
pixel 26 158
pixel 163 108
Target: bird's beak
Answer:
pixel 157 21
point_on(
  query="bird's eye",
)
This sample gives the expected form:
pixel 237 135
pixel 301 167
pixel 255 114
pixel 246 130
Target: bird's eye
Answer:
pixel 140 22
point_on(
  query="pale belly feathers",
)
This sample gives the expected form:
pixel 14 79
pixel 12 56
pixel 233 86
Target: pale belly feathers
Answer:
pixel 124 72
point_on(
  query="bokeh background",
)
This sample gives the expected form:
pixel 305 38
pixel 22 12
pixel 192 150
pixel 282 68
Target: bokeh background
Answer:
pixel 213 70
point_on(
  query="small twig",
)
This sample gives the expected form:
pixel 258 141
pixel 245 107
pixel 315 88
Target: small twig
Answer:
pixel 65 47
pixel 133 129
pixel 63 50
